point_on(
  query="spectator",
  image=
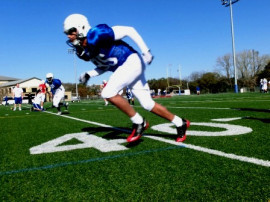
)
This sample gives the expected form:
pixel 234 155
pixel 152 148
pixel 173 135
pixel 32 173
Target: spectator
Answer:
pixel 18 97
pixel 264 85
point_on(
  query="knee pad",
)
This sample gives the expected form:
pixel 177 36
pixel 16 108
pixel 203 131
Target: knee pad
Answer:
pixel 144 98
pixel 149 105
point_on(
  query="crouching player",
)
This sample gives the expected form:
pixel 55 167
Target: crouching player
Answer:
pixel 57 92
pixel 37 102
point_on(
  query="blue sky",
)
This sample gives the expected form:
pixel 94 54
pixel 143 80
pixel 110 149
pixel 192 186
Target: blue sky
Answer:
pixel 189 33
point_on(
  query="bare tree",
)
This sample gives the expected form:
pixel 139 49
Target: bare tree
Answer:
pixel 248 63
pixel 224 65
pixel 195 76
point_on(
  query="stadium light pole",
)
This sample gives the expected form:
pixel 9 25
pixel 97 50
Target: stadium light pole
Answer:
pixel 227 3
pixel 72 51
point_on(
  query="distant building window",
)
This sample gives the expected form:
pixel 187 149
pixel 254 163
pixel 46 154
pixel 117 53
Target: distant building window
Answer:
pixel 24 90
pixel 34 90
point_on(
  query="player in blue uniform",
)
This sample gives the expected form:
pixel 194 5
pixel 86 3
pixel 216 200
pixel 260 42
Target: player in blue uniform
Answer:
pixel 103 46
pixel 129 95
pixel 57 92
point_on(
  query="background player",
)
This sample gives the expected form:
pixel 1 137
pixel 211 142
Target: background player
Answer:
pixel 103 85
pixel 129 95
pixel 57 92
pixel 37 101
pixel 42 88
pixel 103 45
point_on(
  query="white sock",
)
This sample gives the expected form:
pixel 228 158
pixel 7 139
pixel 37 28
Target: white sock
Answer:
pixel 137 119
pixel 177 121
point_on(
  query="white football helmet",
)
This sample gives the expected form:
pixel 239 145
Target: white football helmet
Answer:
pixel 79 22
pixel 49 77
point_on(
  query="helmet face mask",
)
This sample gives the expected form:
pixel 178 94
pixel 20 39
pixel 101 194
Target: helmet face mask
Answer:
pixel 49 78
pixel 76 23
pixel 70 31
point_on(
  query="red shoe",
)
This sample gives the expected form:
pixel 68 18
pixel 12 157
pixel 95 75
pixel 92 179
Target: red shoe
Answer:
pixel 137 131
pixel 181 131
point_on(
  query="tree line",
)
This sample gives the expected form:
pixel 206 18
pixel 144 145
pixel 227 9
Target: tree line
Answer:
pixel 251 67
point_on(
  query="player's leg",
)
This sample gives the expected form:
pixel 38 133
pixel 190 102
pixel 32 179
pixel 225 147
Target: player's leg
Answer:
pixel 106 102
pixel 142 92
pixel 42 101
pixel 56 101
pixel 122 77
pixel 15 104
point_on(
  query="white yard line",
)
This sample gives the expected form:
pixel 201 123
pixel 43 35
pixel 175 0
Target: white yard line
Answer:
pixel 252 160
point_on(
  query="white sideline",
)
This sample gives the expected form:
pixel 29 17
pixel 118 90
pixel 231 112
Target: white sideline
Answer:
pixel 252 160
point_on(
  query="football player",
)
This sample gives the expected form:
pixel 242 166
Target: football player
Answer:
pixel 104 83
pixel 129 96
pixel 57 92
pixel 42 88
pixel 103 46
pixel 37 102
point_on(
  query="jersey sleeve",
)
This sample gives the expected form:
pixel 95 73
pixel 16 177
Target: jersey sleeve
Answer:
pixel 57 83
pixel 100 36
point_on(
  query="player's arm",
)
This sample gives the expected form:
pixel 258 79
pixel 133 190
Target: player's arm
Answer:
pixel 84 77
pixel 124 31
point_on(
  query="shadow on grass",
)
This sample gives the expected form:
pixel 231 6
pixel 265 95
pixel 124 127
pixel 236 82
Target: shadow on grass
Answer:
pixel 264 120
pixel 253 110
pixel 259 119
pixel 112 134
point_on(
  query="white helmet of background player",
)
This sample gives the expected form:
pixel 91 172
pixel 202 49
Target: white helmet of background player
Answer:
pixel 49 77
pixel 76 22
pixel 104 81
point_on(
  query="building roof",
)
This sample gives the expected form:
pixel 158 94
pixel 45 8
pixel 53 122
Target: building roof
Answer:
pixel 5 78
pixel 13 83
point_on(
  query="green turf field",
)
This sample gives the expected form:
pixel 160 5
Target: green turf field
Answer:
pixel 84 156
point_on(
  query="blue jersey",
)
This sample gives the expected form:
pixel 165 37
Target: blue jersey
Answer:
pixel 102 49
pixel 129 93
pixel 56 83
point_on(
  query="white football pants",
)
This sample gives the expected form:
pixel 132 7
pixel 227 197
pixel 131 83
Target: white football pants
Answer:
pixel 131 74
pixel 58 96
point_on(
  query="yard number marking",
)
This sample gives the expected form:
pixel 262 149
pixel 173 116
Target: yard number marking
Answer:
pixel 88 141
pixel 52 145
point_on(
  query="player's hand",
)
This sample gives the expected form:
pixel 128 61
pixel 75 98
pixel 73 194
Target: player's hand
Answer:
pixel 147 57
pixel 84 78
